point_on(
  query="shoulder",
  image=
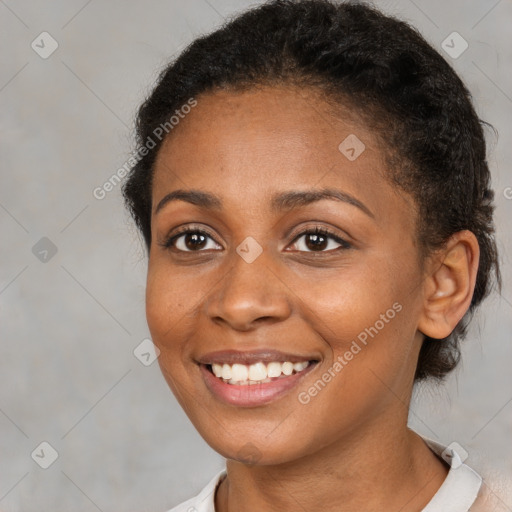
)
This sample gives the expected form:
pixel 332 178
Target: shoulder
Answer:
pixel 205 500
pixel 495 493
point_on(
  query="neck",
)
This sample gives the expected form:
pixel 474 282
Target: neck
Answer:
pixel 375 470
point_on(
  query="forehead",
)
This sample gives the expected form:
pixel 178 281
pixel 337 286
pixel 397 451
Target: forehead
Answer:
pixel 254 142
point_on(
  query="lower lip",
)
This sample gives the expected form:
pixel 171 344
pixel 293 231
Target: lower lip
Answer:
pixel 252 395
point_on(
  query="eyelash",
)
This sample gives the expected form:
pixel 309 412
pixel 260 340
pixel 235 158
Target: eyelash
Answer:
pixel 317 230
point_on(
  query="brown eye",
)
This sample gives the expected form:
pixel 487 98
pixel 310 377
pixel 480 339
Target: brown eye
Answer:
pixel 191 240
pixel 317 240
pixel 194 241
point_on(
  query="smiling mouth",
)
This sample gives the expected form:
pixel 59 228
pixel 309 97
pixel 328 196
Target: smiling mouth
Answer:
pixel 257 373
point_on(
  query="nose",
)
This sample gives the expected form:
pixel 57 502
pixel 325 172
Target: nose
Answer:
pixel 249 294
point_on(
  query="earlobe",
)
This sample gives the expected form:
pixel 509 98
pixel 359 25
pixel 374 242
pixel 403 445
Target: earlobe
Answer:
pixel 449 285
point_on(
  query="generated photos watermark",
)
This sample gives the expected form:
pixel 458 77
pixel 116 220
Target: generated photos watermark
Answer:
pixel 356 347
pixel 158 133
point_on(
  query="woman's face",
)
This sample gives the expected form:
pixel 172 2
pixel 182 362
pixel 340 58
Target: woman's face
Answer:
pixel 260 286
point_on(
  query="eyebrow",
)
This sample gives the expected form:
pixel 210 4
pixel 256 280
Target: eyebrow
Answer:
pixel 279 202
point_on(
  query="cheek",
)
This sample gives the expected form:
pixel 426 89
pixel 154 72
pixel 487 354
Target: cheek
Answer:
pixel 366 317
pixel 167 313
pixel 165 317
pixel 168 300
pixel 158 300
pixel 340 305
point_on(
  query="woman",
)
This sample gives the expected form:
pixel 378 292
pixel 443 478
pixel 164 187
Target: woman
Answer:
pixel 313 192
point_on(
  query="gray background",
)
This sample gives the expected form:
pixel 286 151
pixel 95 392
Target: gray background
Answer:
pixel 69 325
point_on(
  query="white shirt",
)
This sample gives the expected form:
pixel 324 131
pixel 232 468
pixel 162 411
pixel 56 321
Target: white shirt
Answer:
pixel 457 493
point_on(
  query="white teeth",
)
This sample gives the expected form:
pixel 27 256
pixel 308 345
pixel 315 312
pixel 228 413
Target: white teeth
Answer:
pixel 287 368
pixel 257 373
pixel 274 369
pixel 239 372
pixel 298 367
pixel 217 370
pixel 226 371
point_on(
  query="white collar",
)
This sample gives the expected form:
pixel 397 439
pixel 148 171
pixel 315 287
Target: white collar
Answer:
pixel 460 487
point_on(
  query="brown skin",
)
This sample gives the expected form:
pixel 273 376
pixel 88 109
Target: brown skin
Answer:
pixel 349 448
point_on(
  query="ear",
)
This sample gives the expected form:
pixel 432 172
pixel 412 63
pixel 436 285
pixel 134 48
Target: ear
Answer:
pixel 449 285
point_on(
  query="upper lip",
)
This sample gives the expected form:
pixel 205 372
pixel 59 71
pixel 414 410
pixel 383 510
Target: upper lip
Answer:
pixel 252 356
